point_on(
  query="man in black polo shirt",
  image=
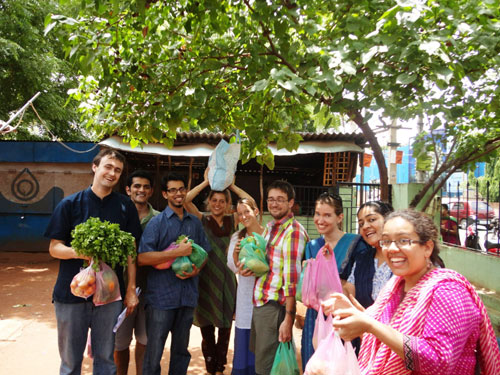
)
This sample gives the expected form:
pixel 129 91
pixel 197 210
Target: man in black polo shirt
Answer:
pixel 76 315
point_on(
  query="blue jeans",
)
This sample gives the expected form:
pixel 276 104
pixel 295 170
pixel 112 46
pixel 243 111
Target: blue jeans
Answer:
pixel 73 323
pixel 158 325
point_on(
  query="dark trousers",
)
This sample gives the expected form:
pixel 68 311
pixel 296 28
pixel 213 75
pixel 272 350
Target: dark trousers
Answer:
pixel 215 353
pixel 159 323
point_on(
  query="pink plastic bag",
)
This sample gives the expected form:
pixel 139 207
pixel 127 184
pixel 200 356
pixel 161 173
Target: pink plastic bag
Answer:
pixel 333 358
pixel 107 286
pixel 168 263
pixel 321 279
pixel 322 328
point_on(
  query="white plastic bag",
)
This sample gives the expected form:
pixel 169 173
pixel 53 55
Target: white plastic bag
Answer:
pixel 222 164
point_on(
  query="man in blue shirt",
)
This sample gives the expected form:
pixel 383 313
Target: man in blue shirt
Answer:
pixel 76 315
pixel 170 298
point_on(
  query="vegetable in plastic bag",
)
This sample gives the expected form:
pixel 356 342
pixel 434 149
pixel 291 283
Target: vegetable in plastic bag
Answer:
pixel 107 286
pixel 198 255
pixel 181 265
pixel 253 254
pixel 84 282
pixel 333 358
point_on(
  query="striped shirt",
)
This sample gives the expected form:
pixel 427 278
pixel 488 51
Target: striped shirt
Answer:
pixel 286 241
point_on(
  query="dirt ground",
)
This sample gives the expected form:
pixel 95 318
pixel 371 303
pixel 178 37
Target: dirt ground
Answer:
pixel 28 337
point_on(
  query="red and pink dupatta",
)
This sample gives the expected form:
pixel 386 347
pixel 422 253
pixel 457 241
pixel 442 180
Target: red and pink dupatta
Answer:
pixel 409 317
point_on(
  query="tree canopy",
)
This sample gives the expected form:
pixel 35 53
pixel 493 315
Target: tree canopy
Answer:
pixel 31 62
pixel 267 68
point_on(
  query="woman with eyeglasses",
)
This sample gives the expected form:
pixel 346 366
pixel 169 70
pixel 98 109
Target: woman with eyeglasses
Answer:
pixel 217 283
pixel 370 271
pixel 328 217
pixel 427 320
pixel 243 359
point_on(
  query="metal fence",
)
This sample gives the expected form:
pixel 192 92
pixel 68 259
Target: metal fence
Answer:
pixel 352 194
pixel 477 219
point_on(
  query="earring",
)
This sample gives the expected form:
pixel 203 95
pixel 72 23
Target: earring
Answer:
pixel 429 264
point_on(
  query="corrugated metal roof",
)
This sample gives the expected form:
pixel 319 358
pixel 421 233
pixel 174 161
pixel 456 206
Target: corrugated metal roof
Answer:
pixel 214 138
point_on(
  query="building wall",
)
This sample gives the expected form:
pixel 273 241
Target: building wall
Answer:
pixel 35 176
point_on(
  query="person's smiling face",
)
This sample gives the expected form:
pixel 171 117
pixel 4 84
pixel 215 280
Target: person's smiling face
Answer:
pixel 325 218
pixel 246 214
pixel 217 204
pixel 411 260
pixel 371 225
pixel 140 190
pixel 278 204
pixel 107 173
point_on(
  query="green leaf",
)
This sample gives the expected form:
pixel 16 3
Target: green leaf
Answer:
pixel 405 78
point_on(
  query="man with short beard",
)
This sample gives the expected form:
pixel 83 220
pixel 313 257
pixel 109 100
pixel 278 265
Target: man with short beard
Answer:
pixel 170 298
pixel 274 292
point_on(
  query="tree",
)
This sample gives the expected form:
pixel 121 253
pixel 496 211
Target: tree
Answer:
pixel 31 62
pixel 266 68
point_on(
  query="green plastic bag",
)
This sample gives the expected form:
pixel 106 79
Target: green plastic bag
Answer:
pixel 253 254
pixel 285 361
pixel 198 255
pixel 181 265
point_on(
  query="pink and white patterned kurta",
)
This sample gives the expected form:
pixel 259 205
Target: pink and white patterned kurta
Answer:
pixel 443 322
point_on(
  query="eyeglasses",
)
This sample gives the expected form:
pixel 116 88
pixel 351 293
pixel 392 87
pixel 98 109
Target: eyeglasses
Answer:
pixel 401 243
pixel 175 190
pixel 279 200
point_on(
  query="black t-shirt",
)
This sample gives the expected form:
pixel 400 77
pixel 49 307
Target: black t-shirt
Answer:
pixel 76 209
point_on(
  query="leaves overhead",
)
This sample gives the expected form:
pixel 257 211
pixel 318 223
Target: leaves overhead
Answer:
pixel 268 69
pixel 32 62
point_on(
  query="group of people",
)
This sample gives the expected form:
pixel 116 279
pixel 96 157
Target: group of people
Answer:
pixel 412 314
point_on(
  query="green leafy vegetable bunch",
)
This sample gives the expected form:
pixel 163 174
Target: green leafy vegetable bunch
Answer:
pixel 103 241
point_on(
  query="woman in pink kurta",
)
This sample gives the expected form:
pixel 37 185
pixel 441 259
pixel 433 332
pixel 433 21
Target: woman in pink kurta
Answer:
pixel 427 320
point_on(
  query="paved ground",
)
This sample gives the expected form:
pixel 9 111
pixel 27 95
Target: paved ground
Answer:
pixel 28 338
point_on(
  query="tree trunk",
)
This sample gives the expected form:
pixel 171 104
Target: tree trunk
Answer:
pixel 377 152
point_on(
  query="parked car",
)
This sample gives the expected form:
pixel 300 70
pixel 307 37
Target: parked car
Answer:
pixel 469 212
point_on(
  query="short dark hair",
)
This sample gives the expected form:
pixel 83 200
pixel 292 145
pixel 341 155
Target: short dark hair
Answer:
pixel 172 176
pixel 108 152
pixel 141 173
pixel 284 186
pixel 445 206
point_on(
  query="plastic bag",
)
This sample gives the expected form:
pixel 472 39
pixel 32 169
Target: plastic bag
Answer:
pixel 181 265
pixel 285 361
pixel 84 282
pixel 107 286
pixel 198 255
pixel 333 358
pixel 321 280
pixel 168 263
pixel 253 254
pixel 322 328
pixel 222 163
pixel 298 294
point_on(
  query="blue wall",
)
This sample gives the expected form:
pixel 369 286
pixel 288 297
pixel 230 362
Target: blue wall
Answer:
pixel 46 152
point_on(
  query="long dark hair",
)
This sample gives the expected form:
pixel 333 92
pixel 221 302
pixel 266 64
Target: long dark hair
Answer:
pixel 380 207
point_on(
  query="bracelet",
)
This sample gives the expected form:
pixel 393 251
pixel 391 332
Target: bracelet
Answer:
pixel 292 313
